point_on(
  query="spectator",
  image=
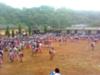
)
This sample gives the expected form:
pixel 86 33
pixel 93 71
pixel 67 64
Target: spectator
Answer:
pixel 56 72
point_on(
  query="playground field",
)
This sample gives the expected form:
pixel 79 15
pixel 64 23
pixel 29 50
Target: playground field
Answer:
pixel 72 58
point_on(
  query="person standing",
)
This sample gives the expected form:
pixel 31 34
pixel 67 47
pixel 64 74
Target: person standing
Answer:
pixel 93 44
pixel 52 53
pixel 20 55
pixel 1 57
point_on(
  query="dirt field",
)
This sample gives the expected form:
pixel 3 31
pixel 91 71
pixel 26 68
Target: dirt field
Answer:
pixel 72 58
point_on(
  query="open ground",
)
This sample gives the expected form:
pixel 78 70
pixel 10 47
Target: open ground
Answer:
pixel 72 58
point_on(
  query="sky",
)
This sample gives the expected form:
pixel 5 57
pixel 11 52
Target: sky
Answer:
pixel 71 4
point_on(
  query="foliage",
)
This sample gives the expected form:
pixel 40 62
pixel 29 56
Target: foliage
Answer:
pixel 45 29
pixel 7 32
pixel 44 15
pixel 19 29
pixel 30 30
pixel 13 34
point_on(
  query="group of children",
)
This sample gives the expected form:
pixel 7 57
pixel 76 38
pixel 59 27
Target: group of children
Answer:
pixel 15 46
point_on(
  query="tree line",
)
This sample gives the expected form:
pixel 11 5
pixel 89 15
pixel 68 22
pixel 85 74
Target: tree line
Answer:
pixel 47 17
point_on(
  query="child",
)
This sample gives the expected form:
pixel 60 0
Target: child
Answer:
pixel 55 72
pixel 1 57
pixel 52 53
pixel 11 55
pixel 33 48
pixel 93 45
pixel 20 55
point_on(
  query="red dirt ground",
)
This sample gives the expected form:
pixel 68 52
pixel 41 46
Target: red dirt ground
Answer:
pixel 73 58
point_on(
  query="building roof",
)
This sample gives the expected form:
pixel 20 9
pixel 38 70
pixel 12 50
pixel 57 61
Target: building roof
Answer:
pixel 82 27
pixel 12 26
pixel 86 28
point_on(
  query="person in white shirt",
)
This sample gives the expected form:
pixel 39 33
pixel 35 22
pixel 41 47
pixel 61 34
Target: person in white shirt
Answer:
pixel 56 72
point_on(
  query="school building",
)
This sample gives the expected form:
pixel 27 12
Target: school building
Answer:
pixel 82 29
pixel 11 27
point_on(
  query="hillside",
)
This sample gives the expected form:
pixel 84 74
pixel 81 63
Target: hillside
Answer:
pixel 47 16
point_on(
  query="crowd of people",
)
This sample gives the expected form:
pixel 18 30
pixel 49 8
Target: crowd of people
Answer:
pixel 15 45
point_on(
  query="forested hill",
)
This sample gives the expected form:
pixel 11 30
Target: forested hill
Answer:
pixel 45 15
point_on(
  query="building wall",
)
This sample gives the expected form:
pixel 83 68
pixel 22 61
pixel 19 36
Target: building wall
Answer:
pixel 82 31
pixel 2 31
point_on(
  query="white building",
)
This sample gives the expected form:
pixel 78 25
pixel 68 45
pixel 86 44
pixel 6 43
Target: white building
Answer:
pixel 82 29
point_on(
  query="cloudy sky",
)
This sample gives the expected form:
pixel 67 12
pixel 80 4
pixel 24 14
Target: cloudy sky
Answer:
pixel 73 4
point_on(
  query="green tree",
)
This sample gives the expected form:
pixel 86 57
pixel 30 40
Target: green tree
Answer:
pixel 19 29
pixel 7 32
pixel 56 18
pixel 13 34
pixel 45 29
pixel 30 30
